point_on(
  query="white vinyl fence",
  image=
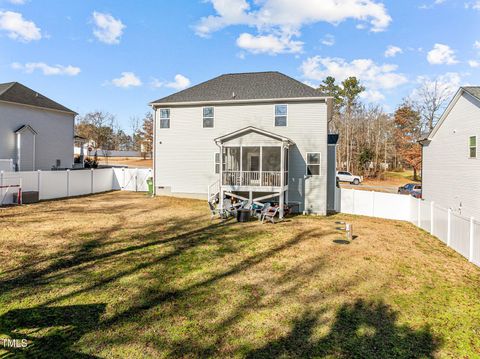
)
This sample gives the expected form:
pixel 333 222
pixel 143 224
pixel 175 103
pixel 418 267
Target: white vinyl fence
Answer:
pixel 458 232
pixel 6 165
pixel 60 184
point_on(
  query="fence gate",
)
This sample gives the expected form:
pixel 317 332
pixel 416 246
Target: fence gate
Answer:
pixel 135 180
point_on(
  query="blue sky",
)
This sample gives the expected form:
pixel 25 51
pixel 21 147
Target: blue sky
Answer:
pixel 117 56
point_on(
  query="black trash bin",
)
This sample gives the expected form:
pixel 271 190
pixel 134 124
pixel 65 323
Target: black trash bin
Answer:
pixel 243 215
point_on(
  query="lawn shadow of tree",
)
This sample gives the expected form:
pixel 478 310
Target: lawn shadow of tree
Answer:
pixel 50 331
pixel 364 329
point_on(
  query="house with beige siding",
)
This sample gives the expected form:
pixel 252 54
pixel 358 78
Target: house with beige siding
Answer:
pixel 451 158
pixel 259 136
pixel 36 133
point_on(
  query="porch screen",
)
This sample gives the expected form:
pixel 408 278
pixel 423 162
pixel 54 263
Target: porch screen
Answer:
pixel 231 158
pixel 271 159
pixel 251 158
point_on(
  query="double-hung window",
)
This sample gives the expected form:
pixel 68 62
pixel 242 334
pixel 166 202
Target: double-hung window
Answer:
pixel 313 163
pixel 208 117
pixel 280 115
pixel 164 118
pixel 472 145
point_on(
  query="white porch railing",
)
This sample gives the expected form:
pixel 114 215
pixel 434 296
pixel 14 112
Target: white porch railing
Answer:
pixel 252 178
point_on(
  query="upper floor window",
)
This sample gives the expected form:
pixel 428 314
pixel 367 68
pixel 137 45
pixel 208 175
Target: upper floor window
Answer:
pixel 208 115
pixel 280 115
pixel 472 143
pixel 313 163
pixel 164 118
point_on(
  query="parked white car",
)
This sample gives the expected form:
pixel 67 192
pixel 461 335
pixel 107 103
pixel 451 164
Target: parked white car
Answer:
pixel 343 176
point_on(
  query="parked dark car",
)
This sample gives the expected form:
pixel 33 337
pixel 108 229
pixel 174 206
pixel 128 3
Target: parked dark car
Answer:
pixel 413 189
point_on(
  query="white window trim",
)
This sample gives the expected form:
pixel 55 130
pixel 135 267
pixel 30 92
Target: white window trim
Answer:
pixel 320 164
pixel 213 118
pixel 275 114
pixel 476 147
pixel 160 118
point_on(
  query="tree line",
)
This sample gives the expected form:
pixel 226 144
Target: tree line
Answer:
pixel 372 140
pixel 103 133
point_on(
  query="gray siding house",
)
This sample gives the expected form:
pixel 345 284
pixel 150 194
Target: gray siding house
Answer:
pixel 257 136
pixel 35 132
pixel 451 160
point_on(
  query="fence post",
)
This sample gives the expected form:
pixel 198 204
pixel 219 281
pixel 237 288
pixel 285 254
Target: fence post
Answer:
pixel 449 227
pixel 91 180
pixel 38 183
pixel 419 216
pixel 1 179
pixel 68 183
pixel 472 235
pixel 431 217
pixel 124 179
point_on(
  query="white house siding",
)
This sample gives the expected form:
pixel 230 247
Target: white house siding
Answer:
pixel 185 157
pixel 450 178
pixel 54 139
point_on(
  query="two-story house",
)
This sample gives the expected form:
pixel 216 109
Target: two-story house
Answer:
pixel 451 160
pixel 36 133
pixel 257 136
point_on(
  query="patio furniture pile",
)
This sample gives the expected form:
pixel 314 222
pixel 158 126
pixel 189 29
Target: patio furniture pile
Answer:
pixel 243 211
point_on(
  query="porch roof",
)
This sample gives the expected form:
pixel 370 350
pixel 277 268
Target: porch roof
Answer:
pixel 250 129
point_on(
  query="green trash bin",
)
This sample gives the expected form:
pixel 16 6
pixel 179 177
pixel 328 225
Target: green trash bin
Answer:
pixel 150 186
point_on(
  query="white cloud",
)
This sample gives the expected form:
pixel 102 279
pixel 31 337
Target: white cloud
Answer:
pixel 128 79
pixel 372 95
pixel 17 2
pixel 366 70
pixel 474 63
pixel 446 84
pixel 475 5
pixel 392 51
pixel 441 54
pixel 18 28
pixel 156 83
pixel 328 40
pixel 48 70
pixel 284 19
pixel 269 44
pixel 374 76
pixel 107 28
pixel 476 45
pixel 180 82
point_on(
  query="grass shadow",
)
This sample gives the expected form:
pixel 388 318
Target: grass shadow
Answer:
pixel 50 331
pixel 364 329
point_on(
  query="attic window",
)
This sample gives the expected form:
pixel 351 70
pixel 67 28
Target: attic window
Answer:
pixel 472 144
pixel 280 115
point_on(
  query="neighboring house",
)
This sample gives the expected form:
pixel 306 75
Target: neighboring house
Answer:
pixel 35 132
pixel 451 160
pixel 270 128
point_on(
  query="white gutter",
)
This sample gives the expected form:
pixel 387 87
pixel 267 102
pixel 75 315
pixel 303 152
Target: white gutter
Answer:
pixel 220 102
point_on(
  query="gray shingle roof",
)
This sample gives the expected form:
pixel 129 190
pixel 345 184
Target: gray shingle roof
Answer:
pixel 18 93
pixel 244 86
pixel 473 90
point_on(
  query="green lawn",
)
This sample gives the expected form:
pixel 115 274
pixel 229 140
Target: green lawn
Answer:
pixel 123 275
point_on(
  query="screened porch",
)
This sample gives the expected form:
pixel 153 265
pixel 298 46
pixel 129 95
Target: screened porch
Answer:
pixel 255 166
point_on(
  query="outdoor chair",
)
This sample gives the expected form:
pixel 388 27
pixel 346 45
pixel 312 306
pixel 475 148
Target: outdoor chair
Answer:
pixel 270 214
pixel 213 211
